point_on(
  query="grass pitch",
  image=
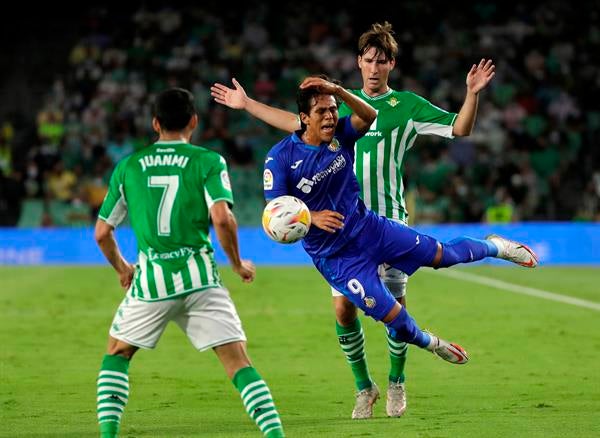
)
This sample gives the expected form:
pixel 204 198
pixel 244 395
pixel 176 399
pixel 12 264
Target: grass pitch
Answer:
pixel 534 369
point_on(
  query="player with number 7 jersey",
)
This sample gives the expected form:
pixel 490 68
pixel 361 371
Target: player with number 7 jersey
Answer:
pixel 172 190
pixel 169 218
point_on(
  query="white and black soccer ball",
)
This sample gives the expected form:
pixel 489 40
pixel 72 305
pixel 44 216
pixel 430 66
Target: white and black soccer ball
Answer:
pixel 286 219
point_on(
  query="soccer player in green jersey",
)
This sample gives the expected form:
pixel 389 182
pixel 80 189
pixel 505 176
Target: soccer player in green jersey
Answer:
pixel 172 190
pixel 401 117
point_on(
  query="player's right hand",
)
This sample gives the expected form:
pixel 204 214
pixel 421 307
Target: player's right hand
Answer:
pixel 233 98
pixel 246 271
pixel 327 220
pixel 320 84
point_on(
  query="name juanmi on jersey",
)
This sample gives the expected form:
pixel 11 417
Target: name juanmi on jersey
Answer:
pixel 163 160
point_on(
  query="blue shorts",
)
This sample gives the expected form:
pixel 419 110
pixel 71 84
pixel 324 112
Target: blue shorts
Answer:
pixel 353 269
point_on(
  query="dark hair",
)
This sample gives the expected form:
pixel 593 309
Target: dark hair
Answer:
pixel 304 96
pixel 380 37
pixel 174 108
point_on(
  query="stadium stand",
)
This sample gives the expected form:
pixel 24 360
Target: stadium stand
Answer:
pixel 83 99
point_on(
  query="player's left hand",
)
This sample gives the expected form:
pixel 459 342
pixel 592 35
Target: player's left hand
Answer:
pixel 480 75
pixel 126 276
pixel 327 220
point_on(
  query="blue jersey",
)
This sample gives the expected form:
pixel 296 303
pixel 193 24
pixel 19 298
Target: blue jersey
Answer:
pixel 323 177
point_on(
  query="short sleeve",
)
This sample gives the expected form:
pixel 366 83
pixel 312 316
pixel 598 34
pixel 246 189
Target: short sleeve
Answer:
pixel 274 177
pixel 431 120
pixel 217 186
pixel 114 206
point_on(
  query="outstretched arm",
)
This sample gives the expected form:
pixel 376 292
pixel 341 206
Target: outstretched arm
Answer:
pixel 477 79
pixel 237 98
pixel 363 114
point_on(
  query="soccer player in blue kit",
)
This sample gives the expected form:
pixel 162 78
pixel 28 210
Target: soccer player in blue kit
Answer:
pixel 347 241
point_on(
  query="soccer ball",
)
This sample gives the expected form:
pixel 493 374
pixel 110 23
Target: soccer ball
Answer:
pixel 286 219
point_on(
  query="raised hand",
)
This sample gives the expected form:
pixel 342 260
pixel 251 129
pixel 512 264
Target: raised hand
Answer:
pixel 233 98
pixel 321 84
pixel 480 75
pixel 327 220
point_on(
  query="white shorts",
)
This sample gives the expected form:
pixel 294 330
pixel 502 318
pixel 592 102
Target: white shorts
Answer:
pixel 394 279
pixel 208 318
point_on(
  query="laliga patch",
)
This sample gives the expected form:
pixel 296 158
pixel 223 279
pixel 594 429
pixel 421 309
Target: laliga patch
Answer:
pixel 267 179
pixel 225 180
pixel 370 302
pixel 334 146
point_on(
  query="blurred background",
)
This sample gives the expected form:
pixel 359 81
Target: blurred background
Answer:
pixel 76 86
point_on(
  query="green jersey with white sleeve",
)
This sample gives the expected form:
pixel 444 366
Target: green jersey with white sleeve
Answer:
pixel 168 189
pixel 401 117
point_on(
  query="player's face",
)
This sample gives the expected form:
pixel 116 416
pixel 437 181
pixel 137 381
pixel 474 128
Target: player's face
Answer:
pixel 322 120
pixel 375 69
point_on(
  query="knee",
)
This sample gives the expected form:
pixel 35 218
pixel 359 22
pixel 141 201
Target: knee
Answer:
pixel 119 348
pixel 127 354
pixel 396 284
pixel 345 311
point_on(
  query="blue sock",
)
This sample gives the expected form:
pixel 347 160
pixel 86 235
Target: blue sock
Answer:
pixel 404 328
pixel 465 250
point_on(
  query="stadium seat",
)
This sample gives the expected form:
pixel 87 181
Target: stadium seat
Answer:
pixel 32 211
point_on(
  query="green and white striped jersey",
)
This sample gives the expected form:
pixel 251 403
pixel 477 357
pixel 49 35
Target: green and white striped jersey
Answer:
pixel 167 189
pixel 401 116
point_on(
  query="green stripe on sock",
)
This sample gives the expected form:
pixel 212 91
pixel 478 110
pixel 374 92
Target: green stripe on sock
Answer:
pixel 109 429
pixel 115 363
pixel 244 377
pixel 276 432
pixel 113 393
pixel 258 401
pixel 352 342
pixel 398 352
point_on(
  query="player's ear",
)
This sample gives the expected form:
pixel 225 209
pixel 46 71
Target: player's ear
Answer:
pixel 156 125
pixel 304 118
pixel 193 122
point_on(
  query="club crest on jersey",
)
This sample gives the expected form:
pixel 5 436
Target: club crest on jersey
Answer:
pixel 334 146
pixel 393 102
pixel 370 302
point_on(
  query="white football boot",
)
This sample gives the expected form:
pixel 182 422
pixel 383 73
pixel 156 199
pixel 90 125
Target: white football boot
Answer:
pixel 514 251
pixel 452 353
pixel 396 400
pixel 365 399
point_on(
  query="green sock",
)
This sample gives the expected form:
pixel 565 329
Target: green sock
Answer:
pixel 112 394
pixel 352 341
pixel 258 402
pixel 398 353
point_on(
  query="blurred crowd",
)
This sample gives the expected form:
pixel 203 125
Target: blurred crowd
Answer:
pixel 532 156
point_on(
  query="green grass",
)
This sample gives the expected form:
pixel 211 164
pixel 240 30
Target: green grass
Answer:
pixel 534 369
